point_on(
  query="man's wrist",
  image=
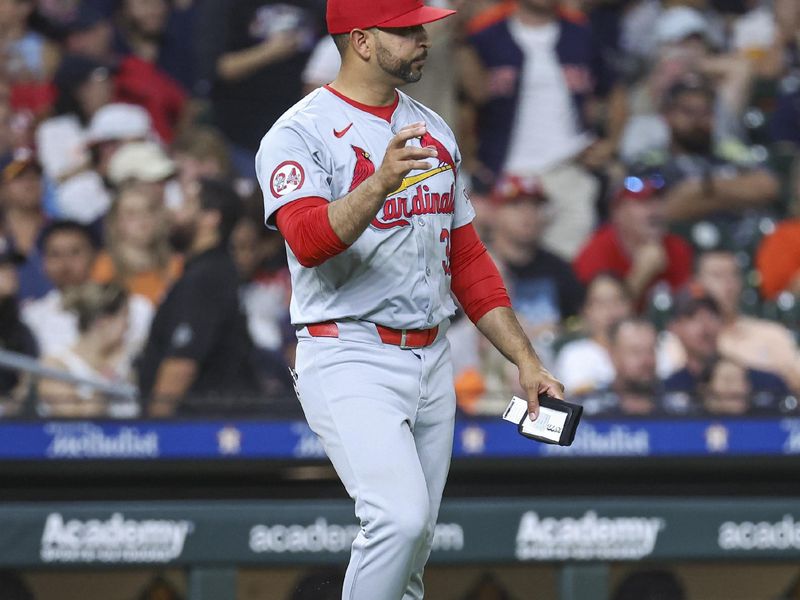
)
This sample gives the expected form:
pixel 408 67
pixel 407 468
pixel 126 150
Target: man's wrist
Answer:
pixel 375 188
pixel 528 360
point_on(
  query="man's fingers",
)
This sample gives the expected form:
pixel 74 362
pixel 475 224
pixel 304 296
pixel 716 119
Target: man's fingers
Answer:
pixel 414 153
pixel 416 165
pixel 533 407
pixel 556 391
pixel 407 133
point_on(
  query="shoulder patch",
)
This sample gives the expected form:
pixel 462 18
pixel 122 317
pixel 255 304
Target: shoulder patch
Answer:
pixel 286 178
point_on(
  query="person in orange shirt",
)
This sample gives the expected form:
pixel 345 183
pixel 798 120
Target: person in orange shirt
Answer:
pixel 138 252
pixel 778 260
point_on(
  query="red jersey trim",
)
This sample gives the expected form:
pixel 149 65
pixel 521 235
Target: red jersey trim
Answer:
pixel 382 112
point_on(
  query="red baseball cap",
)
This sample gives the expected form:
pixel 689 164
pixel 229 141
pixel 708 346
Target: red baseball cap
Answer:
pixel 641 188
pixel 510 188
pixel 346 15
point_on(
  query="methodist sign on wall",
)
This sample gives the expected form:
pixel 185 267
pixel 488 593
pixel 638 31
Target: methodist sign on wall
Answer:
pixel 474 530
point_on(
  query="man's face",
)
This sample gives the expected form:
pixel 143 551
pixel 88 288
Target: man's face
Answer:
pixel 401 52
pixel 719 274
pixel 520 222
pixel 148 17
pixel 728 390
pixel 698 333
pixel 68 258
pixel 606 303
pixel 24 192
pixel 185 220
pixel 633 353
pixel 643 221
pixel 14 12
pixel 94 42
pixel 690 120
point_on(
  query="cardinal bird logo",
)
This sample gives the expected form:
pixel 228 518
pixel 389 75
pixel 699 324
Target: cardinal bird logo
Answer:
pixel 445 158
pixel 364 167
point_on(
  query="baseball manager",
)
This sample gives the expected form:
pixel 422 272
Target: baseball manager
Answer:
pixel 365 184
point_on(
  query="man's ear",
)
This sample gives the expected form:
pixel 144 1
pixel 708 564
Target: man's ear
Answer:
pixel 362 43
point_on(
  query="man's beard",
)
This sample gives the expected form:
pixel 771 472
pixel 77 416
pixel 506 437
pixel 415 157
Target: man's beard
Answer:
pixel 181 238
pixel 396 67
pixel 644 387
pixel 697 141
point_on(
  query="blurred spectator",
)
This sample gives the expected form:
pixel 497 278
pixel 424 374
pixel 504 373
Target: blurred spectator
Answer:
pixel 201 152
pixel 199 348
pixel 533 76
pixel 644 18
pixel 778 260
pixel 749 341
pixel 584 365
pixel 144 163
pixel 68 250
pixel 265 42
pixel 487 588
pixel 98 354
pixel 685 48
pixel 260 258
pixel 138 253
pixel 84 85
pixel 85 89
pixel 113 126
pixel 635 390
pixel 14 334
pixel 144 31
pixel 725 389
pixel 635 245
pixel 778 255
pixel 28 55
pixel 784 55
pixel 198 152
pixel 322 584
pixel 82 195
pixel 652 584
pixel 86 31
pixel 697 324
pixel 136 80
pixel 23 219
pixel 543 288
pixel 706 181
pixel 13 587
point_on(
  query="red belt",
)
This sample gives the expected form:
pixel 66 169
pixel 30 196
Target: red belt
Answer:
pixel 405 338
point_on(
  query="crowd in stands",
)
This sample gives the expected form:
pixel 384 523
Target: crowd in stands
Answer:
pixel 633 165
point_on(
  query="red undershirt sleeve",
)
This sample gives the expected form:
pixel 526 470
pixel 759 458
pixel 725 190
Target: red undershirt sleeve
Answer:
pixel 476 282
pixel 308 231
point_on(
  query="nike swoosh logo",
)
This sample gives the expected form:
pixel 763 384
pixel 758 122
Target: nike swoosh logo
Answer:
pixel 340 134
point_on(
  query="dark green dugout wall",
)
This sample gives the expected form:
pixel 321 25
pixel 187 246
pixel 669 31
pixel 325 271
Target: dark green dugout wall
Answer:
pixel 581 536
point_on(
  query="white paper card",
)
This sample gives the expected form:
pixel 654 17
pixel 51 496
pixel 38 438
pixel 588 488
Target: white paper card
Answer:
pixel 516 410
pixel 549 425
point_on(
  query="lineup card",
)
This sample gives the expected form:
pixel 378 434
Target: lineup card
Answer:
pixel 548 426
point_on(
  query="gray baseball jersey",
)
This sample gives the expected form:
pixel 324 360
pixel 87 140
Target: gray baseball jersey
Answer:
pixel 397 273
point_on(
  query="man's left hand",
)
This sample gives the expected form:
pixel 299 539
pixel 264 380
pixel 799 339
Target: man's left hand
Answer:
pixel 535 380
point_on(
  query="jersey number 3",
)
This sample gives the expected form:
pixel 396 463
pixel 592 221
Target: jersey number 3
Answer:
pixel 444 237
